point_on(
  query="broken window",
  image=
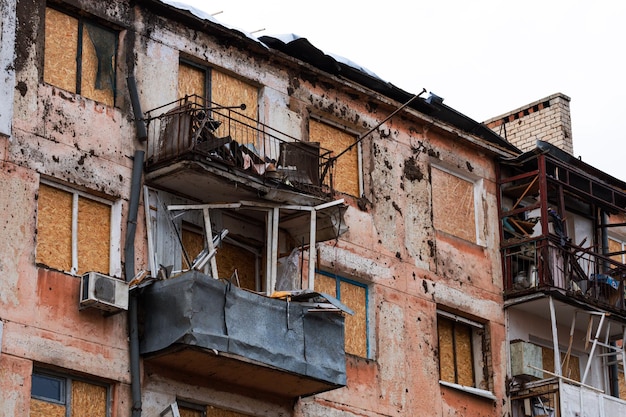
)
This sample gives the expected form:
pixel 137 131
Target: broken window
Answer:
pixel 54 395
pixel 346 172
pixel 74 231
pixel 454 204
pixel 461 355
pixel 80 56
pixel 354 295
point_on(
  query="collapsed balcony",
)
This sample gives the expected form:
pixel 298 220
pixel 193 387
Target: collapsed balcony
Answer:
pixel 222 336
pixel 562 225
pixel 199 150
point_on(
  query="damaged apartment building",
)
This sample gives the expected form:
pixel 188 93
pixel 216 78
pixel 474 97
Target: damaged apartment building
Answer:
pixel 198 222
pixel 563 234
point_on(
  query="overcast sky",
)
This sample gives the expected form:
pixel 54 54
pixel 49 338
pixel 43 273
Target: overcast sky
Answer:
pixel 484 57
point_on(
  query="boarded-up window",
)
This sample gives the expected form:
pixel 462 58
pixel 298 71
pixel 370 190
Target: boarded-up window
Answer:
pixel 80 56
pixel 346 169
pixel 58 396
pixel 230 257
pixel 460 350
pixel 73 231
pixel 454 209
pixel 192 81
pixel 353 295
pixel 617 245
pixel 570 367
pixel 218 412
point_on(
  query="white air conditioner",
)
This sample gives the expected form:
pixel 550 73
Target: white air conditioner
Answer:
pixel 103 292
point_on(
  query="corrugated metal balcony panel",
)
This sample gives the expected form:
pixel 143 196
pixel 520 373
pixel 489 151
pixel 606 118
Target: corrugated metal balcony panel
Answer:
pixel 204 328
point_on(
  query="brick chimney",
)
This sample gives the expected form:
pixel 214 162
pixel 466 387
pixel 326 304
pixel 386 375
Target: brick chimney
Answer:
pixel 547 120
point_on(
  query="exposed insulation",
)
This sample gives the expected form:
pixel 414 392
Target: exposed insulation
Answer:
pixel 191 80
pixel 453 205
pixel 217 412
pixel 88 400
pixel 97 77
pixel 354 297
pixel 40 408
pixel 193 242
pixel 346 172
pixel 230 257
pixel 229 91
pixel 94 229
pixel 54 228
pixel 61 49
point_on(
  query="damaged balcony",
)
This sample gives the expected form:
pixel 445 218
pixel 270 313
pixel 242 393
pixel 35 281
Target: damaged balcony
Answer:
pixel 563 228
pixel 201 329
pixel 217 154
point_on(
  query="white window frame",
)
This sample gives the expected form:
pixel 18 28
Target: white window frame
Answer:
pixel 115 266
pixel 479 197
pixel 478 355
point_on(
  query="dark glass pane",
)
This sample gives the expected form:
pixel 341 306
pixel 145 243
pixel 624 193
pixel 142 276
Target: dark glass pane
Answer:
pixel 48 387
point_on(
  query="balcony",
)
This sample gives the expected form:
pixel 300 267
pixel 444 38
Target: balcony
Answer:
pixel 562 229
pixel 217 154
pixel 557 398
pixel 200 329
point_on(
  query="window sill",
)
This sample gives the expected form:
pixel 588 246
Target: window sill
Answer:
pixel 470 390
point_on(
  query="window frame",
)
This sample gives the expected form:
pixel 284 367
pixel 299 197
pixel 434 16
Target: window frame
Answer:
pixel 479 358
pixel 115 267
pixel 338 280
pixel 81 21
pixel 67 381
pixel 359 147
pixel 207 77
pixel 478 195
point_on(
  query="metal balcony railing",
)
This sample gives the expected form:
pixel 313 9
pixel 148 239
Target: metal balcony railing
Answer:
pixel 188 129
pixel 583 272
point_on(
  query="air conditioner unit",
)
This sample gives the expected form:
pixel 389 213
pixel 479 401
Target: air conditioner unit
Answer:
pixel 103 292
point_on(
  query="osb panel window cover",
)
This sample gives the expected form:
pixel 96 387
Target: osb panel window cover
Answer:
pixel 98 46
pixel 39 408
pixel 230 91
pixel 218 412
pixel 188 412
pixel 61 49
pixel 229 257
pixel 191 80
pixel 354 297
pixel 570 367
pixel 455 352
pixel 98 64
pixel 94 229
pixel 193 242
pixel 88 400
pixel 346 172
pixel 54 228
pixel 453 205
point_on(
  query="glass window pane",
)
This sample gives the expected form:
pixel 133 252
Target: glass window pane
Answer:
pixel 48 387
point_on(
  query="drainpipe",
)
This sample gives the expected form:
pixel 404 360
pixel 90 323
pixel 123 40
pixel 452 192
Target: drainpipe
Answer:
pixel 129 253
pixel 613 370
pixel 129 272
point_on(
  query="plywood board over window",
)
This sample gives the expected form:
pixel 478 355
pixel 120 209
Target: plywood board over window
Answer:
pixel 192 81
pixel 227 90
pixel 73 231
pixel 346 170
pixel 456 362
pixel 354 296
pixel 70 41
pixel 454 210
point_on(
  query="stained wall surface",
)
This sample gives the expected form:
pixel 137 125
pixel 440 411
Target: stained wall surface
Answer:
pixel 394 248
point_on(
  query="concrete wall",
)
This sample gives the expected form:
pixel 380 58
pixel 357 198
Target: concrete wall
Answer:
pixel 547 119
pixel 410 268
pixel 7 52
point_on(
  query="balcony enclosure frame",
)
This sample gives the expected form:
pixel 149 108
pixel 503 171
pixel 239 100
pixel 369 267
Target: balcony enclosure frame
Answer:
pixel 542 195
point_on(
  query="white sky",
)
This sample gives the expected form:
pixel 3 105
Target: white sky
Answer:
pixel 484 57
